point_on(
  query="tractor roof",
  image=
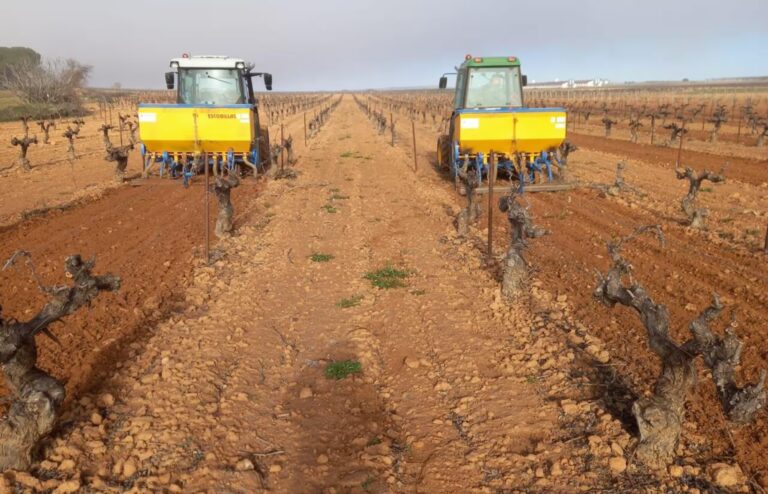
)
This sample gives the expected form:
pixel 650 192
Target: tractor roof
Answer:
pixel 470 61
pixel 207 62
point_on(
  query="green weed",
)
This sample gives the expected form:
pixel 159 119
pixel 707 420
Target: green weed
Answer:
pixel 342 368
pixel 318 257
pixel 387 277
pixel 367 483
pixel 353 301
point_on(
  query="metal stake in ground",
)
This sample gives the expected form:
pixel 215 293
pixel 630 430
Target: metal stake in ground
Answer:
pixel 282 148
pixel 765 247
pixel 207 213
pixel 392 128
pixel 415 159
pixel 491 181
pixel 680 147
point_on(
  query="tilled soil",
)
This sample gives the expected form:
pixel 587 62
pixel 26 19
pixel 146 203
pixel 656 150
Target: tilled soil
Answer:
pixel 458 391
pixel 684 274
pixel 149 234
pixel 751 171
pixel 220 385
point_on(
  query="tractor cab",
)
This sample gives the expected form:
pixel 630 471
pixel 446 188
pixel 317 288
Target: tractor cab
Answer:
pixel 494 82
pixel 489 116
pixel 213 80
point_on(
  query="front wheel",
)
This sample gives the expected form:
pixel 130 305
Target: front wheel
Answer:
pixel 443 151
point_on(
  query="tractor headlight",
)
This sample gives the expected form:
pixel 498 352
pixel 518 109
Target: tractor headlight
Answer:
pixel 240 65
pixel 174 65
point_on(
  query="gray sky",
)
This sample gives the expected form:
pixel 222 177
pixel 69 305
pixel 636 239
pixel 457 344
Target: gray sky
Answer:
pixel 353 44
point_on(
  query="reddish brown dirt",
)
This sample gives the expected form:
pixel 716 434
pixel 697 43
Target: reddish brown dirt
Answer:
pixel 148 234
pixel 749 171
pixel 459 392
pixel 54 181
pixel 682 275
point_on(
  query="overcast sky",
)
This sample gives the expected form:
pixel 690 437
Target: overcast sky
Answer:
pixel 354 44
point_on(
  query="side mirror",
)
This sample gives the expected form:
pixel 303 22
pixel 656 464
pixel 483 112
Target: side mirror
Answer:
pixel 525 80
pixel 169 80
pixel 268 81
pixel 443 82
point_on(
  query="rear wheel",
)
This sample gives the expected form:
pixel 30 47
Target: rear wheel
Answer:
pixel 443 151
pixel 264 155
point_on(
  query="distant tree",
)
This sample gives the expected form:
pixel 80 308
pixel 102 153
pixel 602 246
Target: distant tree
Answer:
pixel 56 82
pixel 16 55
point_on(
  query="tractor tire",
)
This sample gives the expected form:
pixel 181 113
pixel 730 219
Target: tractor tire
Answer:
pixel 443 152
pixel 264 154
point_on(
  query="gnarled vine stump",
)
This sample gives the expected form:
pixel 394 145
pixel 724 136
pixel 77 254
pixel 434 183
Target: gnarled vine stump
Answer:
pixel 515 268
pixel 223 189
pixel 36 395
pixel 697 217
pixel 660 416
pixel 564 151
pixel 468 215
pixel 119 155
pixel 24 144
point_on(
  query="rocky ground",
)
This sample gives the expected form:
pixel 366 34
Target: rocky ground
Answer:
pixel 346 340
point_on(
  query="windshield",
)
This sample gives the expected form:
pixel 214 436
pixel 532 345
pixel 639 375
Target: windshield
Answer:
pixel 493 87
pixel 211 87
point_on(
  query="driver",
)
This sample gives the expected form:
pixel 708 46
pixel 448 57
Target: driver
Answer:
pixel 493 93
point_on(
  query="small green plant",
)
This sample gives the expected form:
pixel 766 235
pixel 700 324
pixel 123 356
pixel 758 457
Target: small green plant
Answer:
pixel 342 368
pixel 706 189
pixel 329 208
pixel 374 441
pixel 752 231
pixel 418 292
pixel 532 379
pixel 346 303
pixel 387 277
pixel 338 196
pixel 318 257
pixel 367 483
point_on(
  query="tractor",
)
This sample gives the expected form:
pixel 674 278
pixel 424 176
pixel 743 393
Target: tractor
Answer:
pixel 489 117
pixel 214 122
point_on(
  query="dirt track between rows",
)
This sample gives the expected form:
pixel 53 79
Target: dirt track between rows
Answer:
pixel 458 393
pixel 191 370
